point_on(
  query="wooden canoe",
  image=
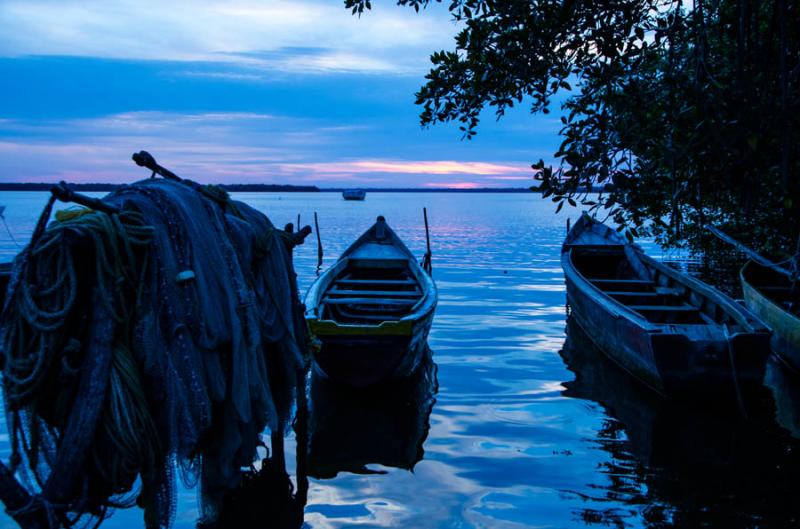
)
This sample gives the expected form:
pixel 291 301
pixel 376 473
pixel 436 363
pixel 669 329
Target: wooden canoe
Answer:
pixel 769 296
pixel 671 331
pixel 372 310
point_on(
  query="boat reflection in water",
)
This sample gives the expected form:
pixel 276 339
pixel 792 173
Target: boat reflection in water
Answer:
pixel 785 387
pixel 684 464
pixel 266 496
pixel 339 429
pixel 351 428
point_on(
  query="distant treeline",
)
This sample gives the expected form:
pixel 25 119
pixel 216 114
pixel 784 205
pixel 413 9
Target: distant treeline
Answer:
pixel 434 189
pixel 24 186
pixel 275 188
pixel 580 190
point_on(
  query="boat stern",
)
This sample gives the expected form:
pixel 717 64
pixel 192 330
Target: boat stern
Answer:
pixel 706 366
pixel 365 355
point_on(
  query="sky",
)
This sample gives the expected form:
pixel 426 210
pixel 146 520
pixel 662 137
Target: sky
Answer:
pixel 241 91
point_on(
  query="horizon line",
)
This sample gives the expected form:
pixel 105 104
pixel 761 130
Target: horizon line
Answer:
pixel 241 187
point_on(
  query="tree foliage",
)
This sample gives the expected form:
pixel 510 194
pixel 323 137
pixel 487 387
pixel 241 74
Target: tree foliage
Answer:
pixel 683 114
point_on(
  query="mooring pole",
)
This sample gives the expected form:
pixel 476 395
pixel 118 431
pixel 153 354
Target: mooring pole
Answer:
pixel 427 262
pixel 319 244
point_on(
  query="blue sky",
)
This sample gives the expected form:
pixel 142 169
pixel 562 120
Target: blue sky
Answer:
pixel 261 91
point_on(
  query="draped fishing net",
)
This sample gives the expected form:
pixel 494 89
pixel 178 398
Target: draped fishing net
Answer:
pixel 161 339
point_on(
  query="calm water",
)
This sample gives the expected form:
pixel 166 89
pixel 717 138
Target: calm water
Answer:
pixel 529 427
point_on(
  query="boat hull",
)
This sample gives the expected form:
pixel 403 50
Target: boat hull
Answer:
pixel 668 363
pixel 364 356
pixel 371 311
pixel 354 194
pixel 785 325
pixel 671 331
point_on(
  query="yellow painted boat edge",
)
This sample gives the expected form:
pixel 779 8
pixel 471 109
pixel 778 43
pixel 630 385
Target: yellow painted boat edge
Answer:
pixel 387 328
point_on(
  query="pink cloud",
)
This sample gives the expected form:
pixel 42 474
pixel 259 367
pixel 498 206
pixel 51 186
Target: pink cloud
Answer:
pixel 434 167
pixel 517 178
pixel 454 185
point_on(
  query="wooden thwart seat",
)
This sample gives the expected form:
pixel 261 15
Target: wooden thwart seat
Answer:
pixel 375 282
pixel 617 285
pixel 626 293
pixel 360 296
pixel 672 314
pixel 376 293
pixel 368 301
pixel 664 308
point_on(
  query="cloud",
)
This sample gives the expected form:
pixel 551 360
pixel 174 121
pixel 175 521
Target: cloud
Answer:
pixel 431 167
pixel 219 147
pixel 455 185
pixel 287 35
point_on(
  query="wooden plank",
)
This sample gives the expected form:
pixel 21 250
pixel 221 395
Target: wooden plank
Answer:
pixel 617 285
pixel 376 293
pixel 664 308
pixel 368 301
pixel 344 281
pixel 633 293
pixel 623 281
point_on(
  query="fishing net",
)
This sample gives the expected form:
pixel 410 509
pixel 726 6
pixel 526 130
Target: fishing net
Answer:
pixel 161 339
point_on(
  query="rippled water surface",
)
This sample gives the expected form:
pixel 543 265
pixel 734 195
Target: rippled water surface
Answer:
pixel 513 437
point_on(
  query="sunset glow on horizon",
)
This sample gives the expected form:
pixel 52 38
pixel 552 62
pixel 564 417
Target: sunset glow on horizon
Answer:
pixel 241 93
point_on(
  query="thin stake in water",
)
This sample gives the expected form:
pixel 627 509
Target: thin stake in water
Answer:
pixel 319 244
pixel 426 262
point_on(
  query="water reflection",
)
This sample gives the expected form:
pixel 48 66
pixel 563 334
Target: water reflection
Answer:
pixel 686 464
pixel 337 429
pixel 785 388
pixel 266 496
pixel 351 428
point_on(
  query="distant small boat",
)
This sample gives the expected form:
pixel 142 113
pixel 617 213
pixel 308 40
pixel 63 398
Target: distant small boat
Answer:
pixel 354 194
pixel 372 310
pixel 769 295
pixel 670 330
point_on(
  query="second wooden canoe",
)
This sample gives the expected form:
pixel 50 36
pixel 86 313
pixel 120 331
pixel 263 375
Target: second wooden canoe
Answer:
pixel 671 331
pixel 769 295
